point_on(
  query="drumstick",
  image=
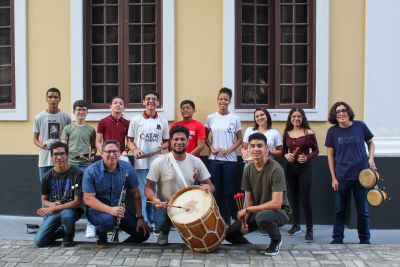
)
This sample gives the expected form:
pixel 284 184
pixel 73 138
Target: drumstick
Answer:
pixel 172 206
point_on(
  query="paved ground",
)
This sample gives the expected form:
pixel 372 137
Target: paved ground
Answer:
pixel 17 249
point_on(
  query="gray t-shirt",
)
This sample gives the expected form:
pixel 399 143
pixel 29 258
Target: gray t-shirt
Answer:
pixel 263 183
pixel 49 126
pixel 163 173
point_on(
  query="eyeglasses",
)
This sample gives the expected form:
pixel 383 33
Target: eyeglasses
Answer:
pixel 151 99
pixel 61 154
pixel 81 109
pixel 344 111
pixel 109 152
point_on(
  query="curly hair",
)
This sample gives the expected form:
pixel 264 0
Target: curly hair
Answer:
pixel 332 113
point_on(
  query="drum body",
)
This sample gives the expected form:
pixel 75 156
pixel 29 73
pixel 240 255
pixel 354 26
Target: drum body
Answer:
pixel 376 197
pixel 201 226
pixel 368 178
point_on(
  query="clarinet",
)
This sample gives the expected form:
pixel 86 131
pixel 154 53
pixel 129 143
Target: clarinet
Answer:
pixel 121 203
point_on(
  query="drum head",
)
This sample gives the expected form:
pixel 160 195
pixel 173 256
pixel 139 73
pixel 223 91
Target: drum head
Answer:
pixel 197 201
pixel 368 178
pixel 375 197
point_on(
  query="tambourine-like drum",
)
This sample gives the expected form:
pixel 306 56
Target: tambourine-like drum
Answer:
pixel 199 222
pixel 376 197
pixel 368 178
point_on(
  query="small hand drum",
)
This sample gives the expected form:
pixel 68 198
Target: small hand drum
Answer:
pixel 376 197
pixel 368 178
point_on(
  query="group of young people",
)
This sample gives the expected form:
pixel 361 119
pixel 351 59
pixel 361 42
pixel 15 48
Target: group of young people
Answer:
pixel 166 159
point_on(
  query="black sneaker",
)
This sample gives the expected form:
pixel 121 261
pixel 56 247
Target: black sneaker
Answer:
pixel 309 237
pixel 68 240
pixel 337 241
pixel 294 230
pixel 101 241
pixel 273 248
pixel 237 240
pixel 365 242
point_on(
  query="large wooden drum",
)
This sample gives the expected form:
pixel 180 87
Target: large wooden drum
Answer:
pixel 200 224
pixel 368 178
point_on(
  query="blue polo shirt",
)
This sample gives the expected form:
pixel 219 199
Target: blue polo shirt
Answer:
pixel 108 185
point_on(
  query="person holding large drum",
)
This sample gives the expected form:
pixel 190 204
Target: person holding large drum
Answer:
pixel 170 173
pixel 347 157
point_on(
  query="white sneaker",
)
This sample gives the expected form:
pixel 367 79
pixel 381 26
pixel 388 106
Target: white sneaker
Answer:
pixel 90 231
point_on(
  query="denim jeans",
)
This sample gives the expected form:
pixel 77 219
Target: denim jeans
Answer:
pixel 223 176
pixel 42 171
pixel 162 221
pixel 47 231
pixel 341 200
pixel 147 209
pixel 105 222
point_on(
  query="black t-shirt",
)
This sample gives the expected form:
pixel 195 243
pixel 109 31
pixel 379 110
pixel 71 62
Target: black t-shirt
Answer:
pixel 62 186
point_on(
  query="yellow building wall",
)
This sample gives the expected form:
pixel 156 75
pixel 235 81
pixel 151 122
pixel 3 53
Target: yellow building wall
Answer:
pixel 198 61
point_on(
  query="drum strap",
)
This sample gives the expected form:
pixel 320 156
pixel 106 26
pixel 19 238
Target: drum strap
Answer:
pixel 177 169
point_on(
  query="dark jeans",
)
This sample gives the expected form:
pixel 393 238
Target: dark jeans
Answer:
pixel 267 221
pixel 342 198
pixel 299 177
pixel 162 221
pixel 48 233
pixel 223 176
pixel 105 222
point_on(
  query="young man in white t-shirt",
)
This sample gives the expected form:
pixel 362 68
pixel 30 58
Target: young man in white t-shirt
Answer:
pixel 147 137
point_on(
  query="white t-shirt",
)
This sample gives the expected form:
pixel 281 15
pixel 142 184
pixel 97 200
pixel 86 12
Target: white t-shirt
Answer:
pixel 273 137
pixel 224 129
pixel 148 135
pixel 163 173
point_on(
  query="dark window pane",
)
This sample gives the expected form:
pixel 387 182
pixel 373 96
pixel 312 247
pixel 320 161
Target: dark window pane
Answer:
pixel 134 14
pixel 149 88
pixel 286 74
pixel 149 54
pixel 98 35
pixel 262 35
pixel 98 94
pixel 262 14
pixel 96 2
pixel 97 54
pixel 5 38
pixel 286 54
pixel 262 95
pixel 248 95
pixel 149 34
pixel 247 14
pixel 300 94
pixel 301 14
pixel 301 34
pixel 247 34
pixel 4 2
pixel 301 1
pixel 112 1
pixel 134 1
pixel 112 14
pixel 247 54
pixel 149 14
pixel 286 94
pixel 112 35
pixel 262 1
pixel 112 74
pixel 301 74
pixel 286 1
pixel 262 55
pixel 97 15
pixel 301 54
pixel 5 94
pixel 247 74
pixel 112 54
pixel 5 75
pixel 286 14
pixel 149 73
pixel 5 55
pixel 135 54
pixel 4 17
pixel 134 34
pixel 111 91
pixel 97 74
pixel 134 94
pixel 135 74
pixel 148 1
pixel 248 1
pixel 286 34
pixel 262 74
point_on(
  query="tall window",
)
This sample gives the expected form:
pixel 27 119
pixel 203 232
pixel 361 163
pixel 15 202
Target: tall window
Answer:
pixel 123 50
pixel 275 53
pixel 7 84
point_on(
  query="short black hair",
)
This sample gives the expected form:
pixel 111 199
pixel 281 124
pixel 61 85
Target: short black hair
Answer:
pixel 57 145
pixel 332 113
pixel 258 136
pixel 225 90
pixel 151 93
pixel 111 141
pixel 188 102
pixel 79 103
pixel 53 90
pixel 179 129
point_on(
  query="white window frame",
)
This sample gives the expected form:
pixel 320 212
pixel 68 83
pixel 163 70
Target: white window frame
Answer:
pixel 19 113
pixel 320 112
pixel 168 63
